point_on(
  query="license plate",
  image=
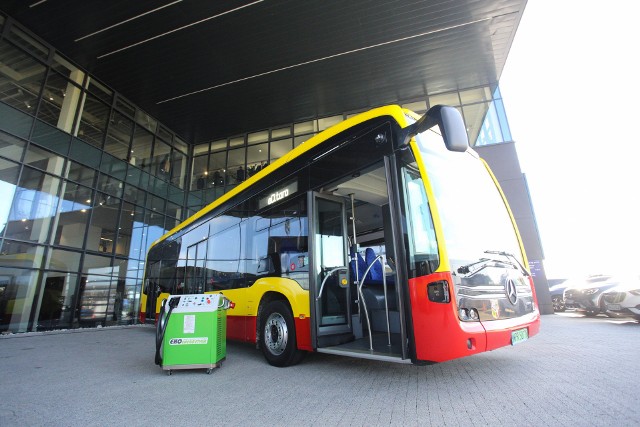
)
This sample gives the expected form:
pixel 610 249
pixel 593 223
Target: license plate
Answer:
pixel 519 336
pixel 614 307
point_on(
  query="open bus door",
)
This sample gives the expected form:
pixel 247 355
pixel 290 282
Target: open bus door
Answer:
pixel 329 272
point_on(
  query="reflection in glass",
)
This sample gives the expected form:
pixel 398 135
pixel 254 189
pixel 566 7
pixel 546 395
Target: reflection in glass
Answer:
pixel 74 212
pixel 8 180
pixel 17 285
pixel 34 206
pixel 101 234
pixel 56 300
pixel 119 137
pixel 93 121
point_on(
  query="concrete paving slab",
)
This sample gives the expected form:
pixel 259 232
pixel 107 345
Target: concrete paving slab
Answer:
pixel 577 371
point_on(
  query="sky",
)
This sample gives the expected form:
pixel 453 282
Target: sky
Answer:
pixel 571 91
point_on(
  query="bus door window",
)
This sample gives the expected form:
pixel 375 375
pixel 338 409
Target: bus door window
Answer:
pixel 331 262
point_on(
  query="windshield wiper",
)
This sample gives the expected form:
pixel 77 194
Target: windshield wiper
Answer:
pixel 513 257
pixel 469 269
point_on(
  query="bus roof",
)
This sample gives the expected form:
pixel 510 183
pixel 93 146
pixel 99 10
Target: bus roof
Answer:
pixel 394 111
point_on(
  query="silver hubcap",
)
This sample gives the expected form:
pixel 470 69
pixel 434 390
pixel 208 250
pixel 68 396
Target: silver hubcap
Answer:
pixel 276 334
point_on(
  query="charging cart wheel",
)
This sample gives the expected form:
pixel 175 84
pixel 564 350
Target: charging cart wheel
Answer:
pixel 209 371
pixel 168 371
pixel 279 335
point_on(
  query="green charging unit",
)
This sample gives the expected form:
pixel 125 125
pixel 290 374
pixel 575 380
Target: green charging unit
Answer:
pixel 195 333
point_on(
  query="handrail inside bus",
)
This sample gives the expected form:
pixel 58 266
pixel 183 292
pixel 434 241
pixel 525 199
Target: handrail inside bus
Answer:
pixel 325 280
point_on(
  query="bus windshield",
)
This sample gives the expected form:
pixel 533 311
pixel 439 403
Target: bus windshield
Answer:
pixel 474 216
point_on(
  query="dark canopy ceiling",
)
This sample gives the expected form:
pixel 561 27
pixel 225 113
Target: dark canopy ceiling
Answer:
pixel 210 69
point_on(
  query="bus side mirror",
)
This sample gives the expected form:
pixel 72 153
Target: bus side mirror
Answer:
pixel 450 123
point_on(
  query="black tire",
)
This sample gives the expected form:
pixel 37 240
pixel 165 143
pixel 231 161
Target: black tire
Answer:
pixel 558 304
pixel 278 335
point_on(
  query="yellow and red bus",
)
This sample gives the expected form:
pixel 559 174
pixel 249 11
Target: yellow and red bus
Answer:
pixel 384 237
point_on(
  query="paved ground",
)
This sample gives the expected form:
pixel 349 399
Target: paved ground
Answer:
pixel 577 371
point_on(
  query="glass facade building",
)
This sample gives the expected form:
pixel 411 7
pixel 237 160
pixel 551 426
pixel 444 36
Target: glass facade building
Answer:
pixel 88 181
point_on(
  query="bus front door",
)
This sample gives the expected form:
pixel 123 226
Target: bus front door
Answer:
pixel 329 271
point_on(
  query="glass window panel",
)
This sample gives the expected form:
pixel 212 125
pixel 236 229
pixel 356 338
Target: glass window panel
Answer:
pixel 281 133
pixel 119 137
pixel 93 121
pixel 162 160
pixel 257 156
pixel 146 121
pixel 305 127
pixel 62 65
pixel 59 102
pixel 34 205
pixel 44 160
pixel 450 98
pixel 156 204
pixel 81 174
pixel 280 148
pixel 473 95
pixel 235 166
pixel 141 148
pixel 327 122
pixel 85 153
pixel 300 139
pixel 173 210
pixel 15 121
pixel 201 149
pixel 125 107
pixel 21 283
pixel 74 211
pixel 101 91
pixel 416 107
pixel 8 181
pixel 236 142
pixel 178 168
pixel 110 186
pixel 11 147
pixel 138 233
pixel 96 264
pixel 51 137
pixel 164 133
pixel 101 234
pixel 133 194
pixel 473 117
pixel 502 119
pixel 28 43
pixel 180 145
pixel 125 229
pixel 255 137
pixel 20 254
pixel 21 78
pixel 200 173
pixel 176 195
pixel 219 145
pixel 113 166
pixel 63 260
pixel 57 308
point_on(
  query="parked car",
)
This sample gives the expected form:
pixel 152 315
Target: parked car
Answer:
pixel 585 295
pixel 556 289
pixel 624 299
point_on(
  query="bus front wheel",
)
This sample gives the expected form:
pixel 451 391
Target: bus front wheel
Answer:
pixel 278 335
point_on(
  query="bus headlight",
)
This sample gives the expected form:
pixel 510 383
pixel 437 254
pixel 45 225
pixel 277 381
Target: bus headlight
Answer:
pixel 468 314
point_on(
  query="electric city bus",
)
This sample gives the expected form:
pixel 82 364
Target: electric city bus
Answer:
pixel 384 237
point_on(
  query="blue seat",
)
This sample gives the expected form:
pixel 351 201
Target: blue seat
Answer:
pixel 361 266
pixel 376 269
